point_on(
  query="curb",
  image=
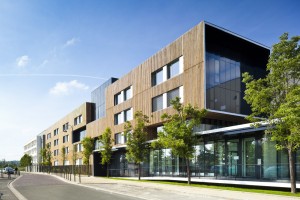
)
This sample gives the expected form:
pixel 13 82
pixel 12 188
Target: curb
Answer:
pixel 14 191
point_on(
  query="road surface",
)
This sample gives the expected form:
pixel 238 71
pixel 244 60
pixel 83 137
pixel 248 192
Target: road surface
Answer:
pixel 37 187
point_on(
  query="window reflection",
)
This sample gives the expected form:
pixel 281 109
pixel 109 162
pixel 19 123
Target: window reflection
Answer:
pixel 223 83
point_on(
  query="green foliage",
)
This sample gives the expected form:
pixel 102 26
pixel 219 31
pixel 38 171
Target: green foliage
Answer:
pixel 26 160
pixel 74 154
pixel 46 155
pixel 136 138
pixel 88 147
pixel 177 131
pixel 63 154
pixel 276 97
pixel 106 148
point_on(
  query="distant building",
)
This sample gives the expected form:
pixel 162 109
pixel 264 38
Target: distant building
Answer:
pixel 33 148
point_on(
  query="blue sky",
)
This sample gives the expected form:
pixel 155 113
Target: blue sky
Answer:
pixel 53 53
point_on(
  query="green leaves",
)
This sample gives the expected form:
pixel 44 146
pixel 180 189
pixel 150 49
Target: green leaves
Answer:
pixel 106 148
pixel 177 132
pixel 26 160
pixel 88 147
pixel 277 97
pixel 136 138
pixel 46 155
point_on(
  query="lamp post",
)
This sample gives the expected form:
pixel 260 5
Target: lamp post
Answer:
pixel 68 125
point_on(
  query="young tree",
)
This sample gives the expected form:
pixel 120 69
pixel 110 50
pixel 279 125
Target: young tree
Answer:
pixel 26 160
pixel 276 98
pixel 63 154
pixel 106 148
pixel 136 140
pixel 88 147
pixel 178 132
pixel 74 154
pixel 46 155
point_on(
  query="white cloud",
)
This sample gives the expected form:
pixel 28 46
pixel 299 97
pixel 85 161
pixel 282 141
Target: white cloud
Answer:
pixel 71 42
pixel 66 88
pixel 23 61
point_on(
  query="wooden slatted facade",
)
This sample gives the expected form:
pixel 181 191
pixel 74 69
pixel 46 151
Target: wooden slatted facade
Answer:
pixel 191 47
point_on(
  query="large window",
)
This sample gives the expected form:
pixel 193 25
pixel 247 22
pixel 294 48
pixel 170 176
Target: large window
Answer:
pixel 128 93
pixel 118 118
pixel 55 153
pixel 172 95
pixel 223 84
pixel 164 100
pixel 65 138
pixel 77 120
pixel 120 138
pixel 173 68
pixel 157 103
pixel 66 126
pixel 169 71
pixel 157 77
pixel 123 116
pixel 123 95
pixel 56 142
pixel 55 132
pixel 128 115
pixel 118 98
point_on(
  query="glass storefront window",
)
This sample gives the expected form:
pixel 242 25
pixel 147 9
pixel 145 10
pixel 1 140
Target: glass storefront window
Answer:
pixel 232 157
pixel 209 159
pixel 283 165
pixel 269 155
pixel 249 157
pixel 219 168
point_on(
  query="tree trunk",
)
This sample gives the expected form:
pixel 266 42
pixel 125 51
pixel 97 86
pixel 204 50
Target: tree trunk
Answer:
pixel 139 171
pixel 292 171
pixel 188 170
pixel 107 171
pixel 88 169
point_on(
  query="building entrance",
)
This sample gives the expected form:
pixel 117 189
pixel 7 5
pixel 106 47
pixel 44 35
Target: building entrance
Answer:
pixel 232 157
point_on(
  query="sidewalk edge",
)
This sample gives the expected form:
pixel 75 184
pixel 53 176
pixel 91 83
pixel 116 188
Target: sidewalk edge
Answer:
pixel 14 191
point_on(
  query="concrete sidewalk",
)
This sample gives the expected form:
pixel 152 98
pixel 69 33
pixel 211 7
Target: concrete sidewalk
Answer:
pixel 152 190
pixel 4 189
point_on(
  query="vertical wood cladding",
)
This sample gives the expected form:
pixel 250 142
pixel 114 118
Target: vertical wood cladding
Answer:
pixel 190 46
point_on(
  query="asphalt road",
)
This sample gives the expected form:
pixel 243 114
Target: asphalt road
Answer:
pixel 37 187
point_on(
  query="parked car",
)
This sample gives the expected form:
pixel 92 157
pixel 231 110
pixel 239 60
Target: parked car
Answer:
pixel 9 170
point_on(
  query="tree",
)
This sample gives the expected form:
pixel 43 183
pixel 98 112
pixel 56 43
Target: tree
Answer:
pixel 178 132
pixel 275 98
pixel 63 154
pixel 88 147
pixel 106 148
pixel 136 140
pixel 46 155
pixel 74 154
pixel 26 160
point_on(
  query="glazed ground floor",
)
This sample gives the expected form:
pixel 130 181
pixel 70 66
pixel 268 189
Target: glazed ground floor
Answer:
pixel 244 155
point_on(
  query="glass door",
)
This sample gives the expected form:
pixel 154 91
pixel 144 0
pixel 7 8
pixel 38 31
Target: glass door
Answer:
pixel 232 157
pixel 249 157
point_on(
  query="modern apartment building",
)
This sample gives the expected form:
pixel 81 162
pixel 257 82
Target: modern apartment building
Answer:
pixel 203 67
pixel 67 133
